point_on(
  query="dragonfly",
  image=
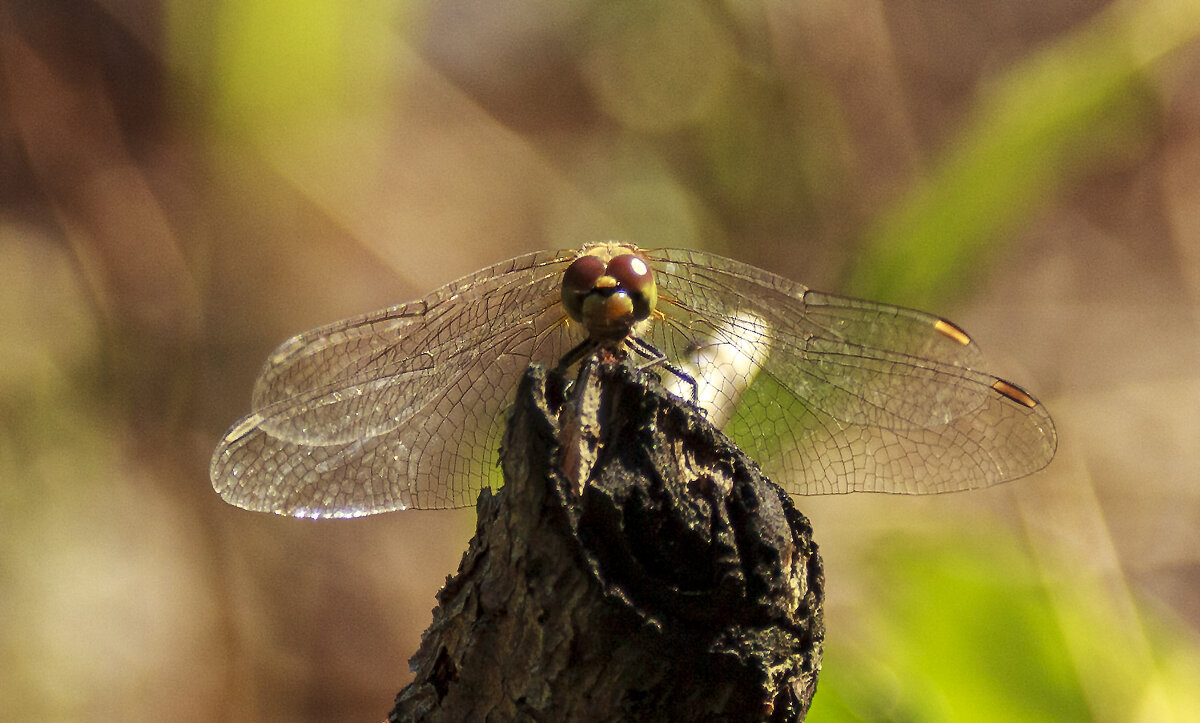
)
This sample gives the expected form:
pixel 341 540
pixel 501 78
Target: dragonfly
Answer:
pixel 404 407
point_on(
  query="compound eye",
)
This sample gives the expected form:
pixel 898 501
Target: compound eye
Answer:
pixel 579 279
pixel 631 272
pixel 634 275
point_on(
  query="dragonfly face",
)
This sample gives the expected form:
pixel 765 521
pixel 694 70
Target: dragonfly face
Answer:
pixel 609 289
pixel 403 407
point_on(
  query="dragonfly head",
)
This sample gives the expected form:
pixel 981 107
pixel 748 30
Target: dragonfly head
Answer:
pixel 609 295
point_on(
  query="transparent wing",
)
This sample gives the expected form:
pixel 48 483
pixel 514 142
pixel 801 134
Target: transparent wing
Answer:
pixel 399 408
pixel 849 395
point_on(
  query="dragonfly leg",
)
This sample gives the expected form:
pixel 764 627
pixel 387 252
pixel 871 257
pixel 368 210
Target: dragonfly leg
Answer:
pixel 577 354
pixel 656 358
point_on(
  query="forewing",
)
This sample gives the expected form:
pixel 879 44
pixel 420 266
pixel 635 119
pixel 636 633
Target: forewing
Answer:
pixel 851 395
pixel 364 346
pixel 396 409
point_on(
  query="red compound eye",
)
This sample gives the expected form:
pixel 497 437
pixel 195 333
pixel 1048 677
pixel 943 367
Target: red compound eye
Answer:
pixel 631 272
pixel 578 281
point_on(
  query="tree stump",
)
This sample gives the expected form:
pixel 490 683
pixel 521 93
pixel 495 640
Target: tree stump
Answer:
pixel 636 566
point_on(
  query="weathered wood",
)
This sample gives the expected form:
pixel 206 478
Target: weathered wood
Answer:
pixel 635 566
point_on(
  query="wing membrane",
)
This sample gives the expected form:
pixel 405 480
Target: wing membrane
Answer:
pixel 363 346
pixel 399 408
pixel 853 395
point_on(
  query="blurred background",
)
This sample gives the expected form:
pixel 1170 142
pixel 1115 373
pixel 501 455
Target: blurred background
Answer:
pixel 185 184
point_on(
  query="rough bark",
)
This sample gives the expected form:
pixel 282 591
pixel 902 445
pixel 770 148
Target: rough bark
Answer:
pixel 635 566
